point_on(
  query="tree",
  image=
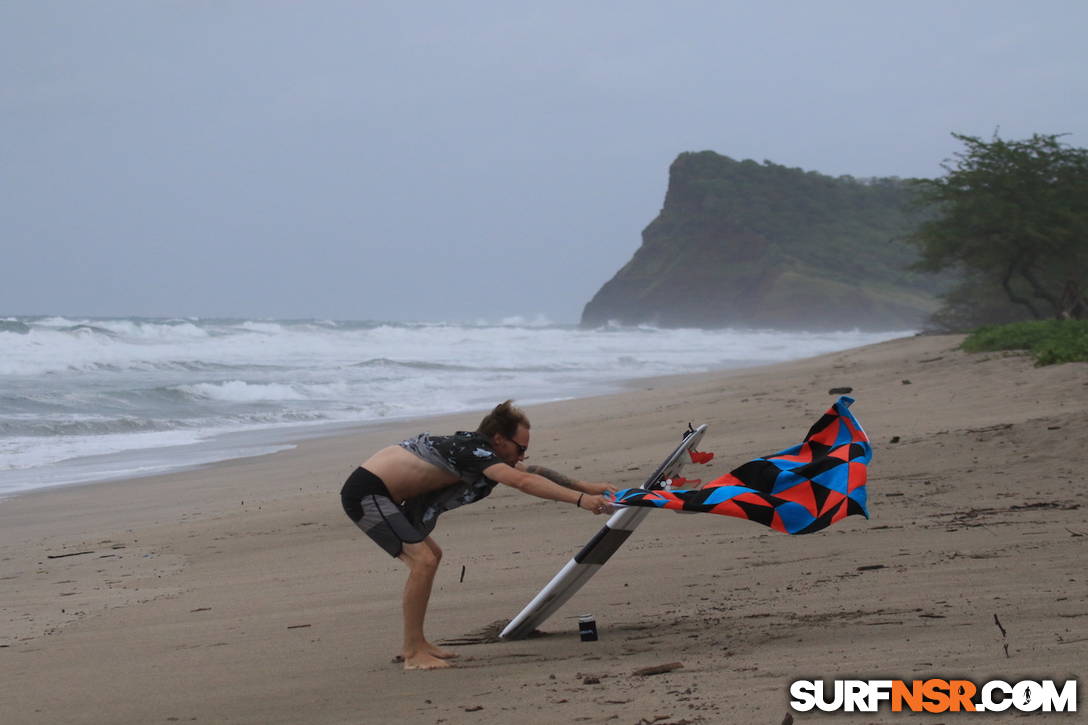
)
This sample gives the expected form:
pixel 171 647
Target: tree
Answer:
pixel 1012 215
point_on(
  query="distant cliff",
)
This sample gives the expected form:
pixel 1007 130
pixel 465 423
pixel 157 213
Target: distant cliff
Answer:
pixel 740 243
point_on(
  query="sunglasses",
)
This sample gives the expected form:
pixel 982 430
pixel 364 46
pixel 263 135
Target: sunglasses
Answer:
pixel 521 448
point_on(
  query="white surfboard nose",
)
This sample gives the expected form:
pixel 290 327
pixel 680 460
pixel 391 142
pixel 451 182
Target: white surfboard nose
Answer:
pixel 600 548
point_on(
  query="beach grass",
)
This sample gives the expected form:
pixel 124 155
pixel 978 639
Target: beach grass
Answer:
pixel 1049 341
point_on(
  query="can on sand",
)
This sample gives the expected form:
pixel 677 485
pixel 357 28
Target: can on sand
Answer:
pixel 587 627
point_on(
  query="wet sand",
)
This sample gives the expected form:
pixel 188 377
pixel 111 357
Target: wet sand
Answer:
pixel 241 593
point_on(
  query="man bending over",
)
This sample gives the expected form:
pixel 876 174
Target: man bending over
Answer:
pixel 396 496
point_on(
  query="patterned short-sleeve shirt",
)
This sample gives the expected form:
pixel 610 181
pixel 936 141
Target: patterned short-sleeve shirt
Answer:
pixel 465 454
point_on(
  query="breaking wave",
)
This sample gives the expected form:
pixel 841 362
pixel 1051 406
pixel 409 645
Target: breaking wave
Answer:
pixel 72 388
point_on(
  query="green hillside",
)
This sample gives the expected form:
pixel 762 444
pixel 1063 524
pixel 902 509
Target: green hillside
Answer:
pixel 739 243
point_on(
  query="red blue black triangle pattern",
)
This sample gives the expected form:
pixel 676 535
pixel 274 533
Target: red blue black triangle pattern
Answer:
pixel 797 491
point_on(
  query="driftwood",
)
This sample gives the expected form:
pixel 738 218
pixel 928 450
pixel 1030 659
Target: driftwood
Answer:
pixel 1004 636
pixel 658 669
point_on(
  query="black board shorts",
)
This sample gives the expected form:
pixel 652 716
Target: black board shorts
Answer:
pixel 367 502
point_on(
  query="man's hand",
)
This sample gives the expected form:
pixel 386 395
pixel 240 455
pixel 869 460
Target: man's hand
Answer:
pixel 597 504
pixel 598 488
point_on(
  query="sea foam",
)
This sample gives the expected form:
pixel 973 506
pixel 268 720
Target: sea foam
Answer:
pixel 163 391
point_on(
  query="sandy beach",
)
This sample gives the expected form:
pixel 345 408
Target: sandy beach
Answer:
pixel 240 592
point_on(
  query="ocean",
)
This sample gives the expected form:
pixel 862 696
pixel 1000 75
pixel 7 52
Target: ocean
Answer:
pixel 90 399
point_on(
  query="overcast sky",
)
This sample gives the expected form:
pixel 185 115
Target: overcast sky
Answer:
pixel 457 160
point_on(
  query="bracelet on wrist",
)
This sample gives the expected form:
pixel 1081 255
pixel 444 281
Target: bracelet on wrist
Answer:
pixel 578 503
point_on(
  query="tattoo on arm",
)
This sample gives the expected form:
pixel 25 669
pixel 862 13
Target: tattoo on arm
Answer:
pixel 553 476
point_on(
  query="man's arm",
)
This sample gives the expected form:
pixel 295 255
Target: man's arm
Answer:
pixel 568 482
pixel 537 485
pixel 554 476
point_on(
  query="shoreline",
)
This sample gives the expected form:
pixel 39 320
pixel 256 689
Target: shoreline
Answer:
pixel 157 398
pixel 240 592
pixel 275 440
pixel 402 426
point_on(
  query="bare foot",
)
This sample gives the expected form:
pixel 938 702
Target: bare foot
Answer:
pixel 433 651
pixel 424 661
pixel 442 654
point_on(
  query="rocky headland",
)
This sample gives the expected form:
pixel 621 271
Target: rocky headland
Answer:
pixel 741 243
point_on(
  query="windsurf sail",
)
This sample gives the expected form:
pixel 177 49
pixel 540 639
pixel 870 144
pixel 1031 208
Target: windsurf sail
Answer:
pixel 796 491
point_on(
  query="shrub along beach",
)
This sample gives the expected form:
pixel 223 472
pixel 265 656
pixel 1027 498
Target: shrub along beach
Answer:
pixel 1048 341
